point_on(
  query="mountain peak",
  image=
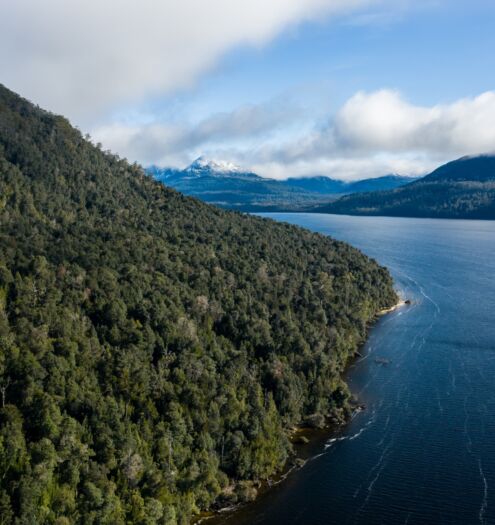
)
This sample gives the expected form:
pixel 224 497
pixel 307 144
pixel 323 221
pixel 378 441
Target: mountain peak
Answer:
pixel 219 166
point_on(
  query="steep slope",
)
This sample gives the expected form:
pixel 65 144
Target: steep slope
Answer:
pixel 462 189
pixel 153 349
pixel 470 169
pixel 228 186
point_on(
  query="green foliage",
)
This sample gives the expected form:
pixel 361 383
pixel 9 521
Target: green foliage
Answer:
pixel 153 349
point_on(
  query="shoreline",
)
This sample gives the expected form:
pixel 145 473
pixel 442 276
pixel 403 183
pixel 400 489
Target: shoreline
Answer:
pixel 304 451
pixel 401 302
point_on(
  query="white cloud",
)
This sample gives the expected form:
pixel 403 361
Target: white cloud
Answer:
pixel 384 121
pixel 176 144
pixel 347 168
pixel 371 135
pixel 380 132
pixel 87 56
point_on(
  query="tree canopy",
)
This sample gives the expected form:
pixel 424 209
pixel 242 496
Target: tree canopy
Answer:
pixel 154 350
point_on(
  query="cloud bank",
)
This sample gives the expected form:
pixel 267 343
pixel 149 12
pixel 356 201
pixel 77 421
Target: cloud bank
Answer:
pixel 84 57
pixel 383 120
pixel 370 135
pixel 88 58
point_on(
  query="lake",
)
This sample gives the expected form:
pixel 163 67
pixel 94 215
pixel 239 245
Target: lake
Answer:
pixel 423 451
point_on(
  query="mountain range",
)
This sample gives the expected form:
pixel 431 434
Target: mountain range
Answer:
pixel 229 186
pixel 461 189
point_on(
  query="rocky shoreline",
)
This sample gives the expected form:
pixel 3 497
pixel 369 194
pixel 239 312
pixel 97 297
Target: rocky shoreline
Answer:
pixel 308 442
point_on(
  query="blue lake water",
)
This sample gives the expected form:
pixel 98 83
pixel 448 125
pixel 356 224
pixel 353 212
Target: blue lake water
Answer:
pixel 423 451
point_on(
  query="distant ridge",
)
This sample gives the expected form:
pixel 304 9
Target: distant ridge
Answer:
pixel 326 185
pixel 461 189
pixel 229 186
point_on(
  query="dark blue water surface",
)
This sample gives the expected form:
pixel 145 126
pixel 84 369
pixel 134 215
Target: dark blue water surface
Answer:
pixel 423 451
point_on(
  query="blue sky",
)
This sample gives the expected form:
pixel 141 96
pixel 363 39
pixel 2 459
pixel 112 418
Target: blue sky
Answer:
pixel 433 52
pixel 297 87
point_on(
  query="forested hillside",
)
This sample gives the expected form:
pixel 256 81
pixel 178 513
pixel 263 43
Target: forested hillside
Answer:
pixel 462 189
pixel 154 350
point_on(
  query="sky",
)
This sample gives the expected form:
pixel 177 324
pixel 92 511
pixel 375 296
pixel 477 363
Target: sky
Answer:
pixel 350 89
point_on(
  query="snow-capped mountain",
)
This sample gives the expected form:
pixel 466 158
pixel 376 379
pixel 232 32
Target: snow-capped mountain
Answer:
pixel 203 164
pixel 204 167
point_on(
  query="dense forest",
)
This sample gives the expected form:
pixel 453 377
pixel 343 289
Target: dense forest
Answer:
pixel 462 189
pixel 154 351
